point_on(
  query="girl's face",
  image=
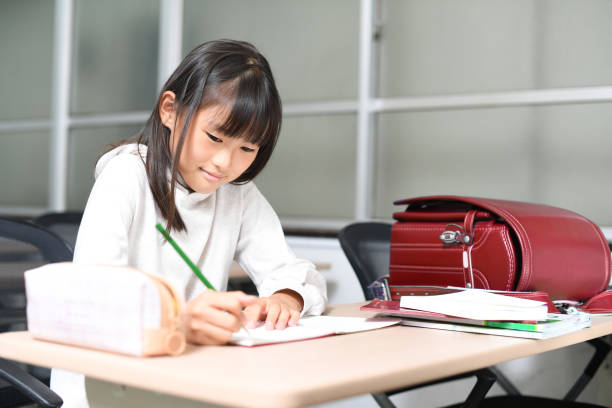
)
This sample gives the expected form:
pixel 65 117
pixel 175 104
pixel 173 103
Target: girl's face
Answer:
pixel 210 159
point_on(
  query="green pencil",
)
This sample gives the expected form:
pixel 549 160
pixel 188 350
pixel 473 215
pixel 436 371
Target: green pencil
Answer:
pixel 193 267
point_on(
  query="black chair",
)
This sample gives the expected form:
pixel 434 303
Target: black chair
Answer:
pixel 367 246
pixel 25 385
pixel 65 224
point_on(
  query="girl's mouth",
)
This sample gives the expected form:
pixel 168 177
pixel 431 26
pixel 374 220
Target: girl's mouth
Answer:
pixel 211 176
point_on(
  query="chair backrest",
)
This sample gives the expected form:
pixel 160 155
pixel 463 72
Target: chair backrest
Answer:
pixel 25 386
pixel 23 246
pixel 65 224
pixel 51 246
pixel 366 246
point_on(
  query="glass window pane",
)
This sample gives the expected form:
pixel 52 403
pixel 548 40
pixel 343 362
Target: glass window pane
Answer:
pixel 431 47
pixel 575 44
pixel 573 148
pixel 25 163
pixel 26 65
pixel 312 46
pixel 115 56
pixel 556 155
pixel 86 147
pixel 312 170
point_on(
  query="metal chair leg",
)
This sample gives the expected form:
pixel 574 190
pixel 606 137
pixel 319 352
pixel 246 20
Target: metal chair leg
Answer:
pixel 383 400
pixel 484 381
pixel 601 351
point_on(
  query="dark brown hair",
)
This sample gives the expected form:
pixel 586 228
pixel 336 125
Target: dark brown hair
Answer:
pixel 223 73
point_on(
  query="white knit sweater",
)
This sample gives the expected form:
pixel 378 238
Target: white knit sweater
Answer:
pixel 235 222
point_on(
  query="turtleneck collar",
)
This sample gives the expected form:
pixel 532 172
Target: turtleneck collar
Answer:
pixel 187 196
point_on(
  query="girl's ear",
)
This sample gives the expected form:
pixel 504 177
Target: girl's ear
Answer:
pixel 167 111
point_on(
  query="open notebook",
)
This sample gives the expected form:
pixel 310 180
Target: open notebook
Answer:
pixel 310 327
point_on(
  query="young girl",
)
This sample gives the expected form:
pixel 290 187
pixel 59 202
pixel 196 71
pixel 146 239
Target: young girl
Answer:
pixel 213 129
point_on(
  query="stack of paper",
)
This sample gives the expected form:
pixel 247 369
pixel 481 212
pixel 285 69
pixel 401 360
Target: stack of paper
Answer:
pixel 478 304
pixel 555 325
pixel 480 311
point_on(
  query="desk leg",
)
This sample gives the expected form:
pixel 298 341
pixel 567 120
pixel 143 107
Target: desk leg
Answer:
pixel 103 394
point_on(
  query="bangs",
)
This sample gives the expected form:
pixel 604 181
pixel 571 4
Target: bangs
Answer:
pixel 253 115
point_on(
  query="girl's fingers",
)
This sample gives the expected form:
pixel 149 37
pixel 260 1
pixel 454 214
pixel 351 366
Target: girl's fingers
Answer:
pixel 295 318
pixel 229 310
pixel 212 317
pixel 274 310
pixel 231 302
pixel 283 318
pixel 219 318
pixel 254 313
pixel 204 333
pixel 244 299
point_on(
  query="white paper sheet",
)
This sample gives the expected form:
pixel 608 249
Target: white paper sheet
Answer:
pixel 478 304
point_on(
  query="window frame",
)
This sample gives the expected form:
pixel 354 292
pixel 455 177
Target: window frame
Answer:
pixel 366 107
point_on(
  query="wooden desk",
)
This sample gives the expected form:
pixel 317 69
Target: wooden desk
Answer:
pixel 300 373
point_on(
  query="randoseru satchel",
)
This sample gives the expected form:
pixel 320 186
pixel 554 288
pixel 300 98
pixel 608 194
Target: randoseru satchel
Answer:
pixel 499 245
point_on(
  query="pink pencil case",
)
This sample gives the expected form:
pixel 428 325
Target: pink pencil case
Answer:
pixel 113 308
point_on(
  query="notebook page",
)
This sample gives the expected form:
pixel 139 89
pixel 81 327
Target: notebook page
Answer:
pixel 310 327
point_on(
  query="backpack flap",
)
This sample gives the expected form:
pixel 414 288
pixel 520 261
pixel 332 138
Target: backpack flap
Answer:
pixel 557 251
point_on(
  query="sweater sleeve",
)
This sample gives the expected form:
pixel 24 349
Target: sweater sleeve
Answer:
pixel 103 233
pixel 265 256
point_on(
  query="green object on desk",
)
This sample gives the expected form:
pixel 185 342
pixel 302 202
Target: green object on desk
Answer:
pixel 532 327
pixel 193 267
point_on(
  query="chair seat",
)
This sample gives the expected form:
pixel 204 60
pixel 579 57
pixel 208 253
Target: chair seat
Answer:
pixel 524 401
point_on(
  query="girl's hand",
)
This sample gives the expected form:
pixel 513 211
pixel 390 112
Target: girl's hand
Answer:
pixel 212 317
pixel 281 309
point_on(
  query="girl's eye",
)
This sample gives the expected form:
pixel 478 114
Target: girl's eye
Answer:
pixel 214 138
pixel 247 149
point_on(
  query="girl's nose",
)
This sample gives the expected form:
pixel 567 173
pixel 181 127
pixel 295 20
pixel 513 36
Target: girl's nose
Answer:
pixel 223 158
